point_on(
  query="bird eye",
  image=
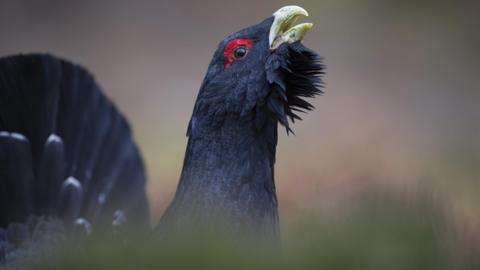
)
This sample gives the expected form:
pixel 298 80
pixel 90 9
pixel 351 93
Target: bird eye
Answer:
pixel 236 49
pixel 240 52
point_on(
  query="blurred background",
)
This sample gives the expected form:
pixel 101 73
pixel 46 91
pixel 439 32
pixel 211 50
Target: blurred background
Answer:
pixel 400 117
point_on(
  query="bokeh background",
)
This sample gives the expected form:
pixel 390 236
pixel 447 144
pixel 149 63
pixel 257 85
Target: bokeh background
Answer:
pixel 400 117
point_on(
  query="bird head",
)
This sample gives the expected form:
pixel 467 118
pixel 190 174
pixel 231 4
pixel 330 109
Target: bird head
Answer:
pixel 262 72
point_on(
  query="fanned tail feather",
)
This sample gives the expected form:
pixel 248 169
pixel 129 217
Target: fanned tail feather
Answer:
pixel 65 151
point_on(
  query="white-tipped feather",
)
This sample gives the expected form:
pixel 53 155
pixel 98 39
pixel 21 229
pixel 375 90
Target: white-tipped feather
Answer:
pixel 54 138
pixel 13 135
pixel 72 181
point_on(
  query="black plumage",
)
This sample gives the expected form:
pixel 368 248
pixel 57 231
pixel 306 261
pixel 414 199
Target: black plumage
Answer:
pixel 228 170
pixel 67 153
pixel 65 150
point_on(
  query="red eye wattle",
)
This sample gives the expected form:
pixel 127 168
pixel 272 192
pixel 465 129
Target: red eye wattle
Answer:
pixel 236 49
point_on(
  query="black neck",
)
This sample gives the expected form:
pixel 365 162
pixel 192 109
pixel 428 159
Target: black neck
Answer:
pixel 228 171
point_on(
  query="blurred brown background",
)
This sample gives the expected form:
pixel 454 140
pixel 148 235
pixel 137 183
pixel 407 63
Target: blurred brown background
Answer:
pixel 400 114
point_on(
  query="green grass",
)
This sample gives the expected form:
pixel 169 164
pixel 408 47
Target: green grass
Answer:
pixel 372 234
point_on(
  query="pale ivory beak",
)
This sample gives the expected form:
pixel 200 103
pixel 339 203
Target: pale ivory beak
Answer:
pixel 282 31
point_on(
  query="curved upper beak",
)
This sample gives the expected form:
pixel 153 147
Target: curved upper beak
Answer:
pixel 282 31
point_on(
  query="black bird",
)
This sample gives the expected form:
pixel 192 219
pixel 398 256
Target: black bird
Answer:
pixel 258 77
pixel 67 155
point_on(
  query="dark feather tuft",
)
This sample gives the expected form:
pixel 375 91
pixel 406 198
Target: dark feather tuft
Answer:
pixel 295 73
